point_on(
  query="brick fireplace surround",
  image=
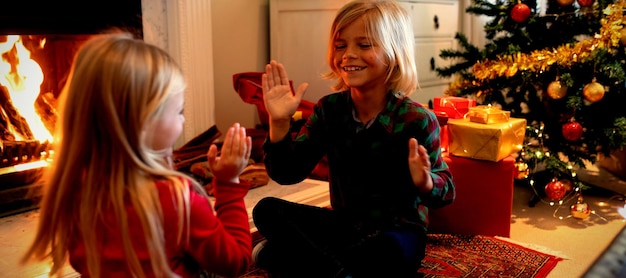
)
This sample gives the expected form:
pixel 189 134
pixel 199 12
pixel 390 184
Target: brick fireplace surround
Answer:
pixel 182 27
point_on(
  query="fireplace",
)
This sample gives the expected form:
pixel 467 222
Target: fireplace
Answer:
pixel 38 40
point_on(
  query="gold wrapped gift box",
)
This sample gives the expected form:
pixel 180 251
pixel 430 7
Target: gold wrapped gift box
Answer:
pixel 491 142
pixel 486 114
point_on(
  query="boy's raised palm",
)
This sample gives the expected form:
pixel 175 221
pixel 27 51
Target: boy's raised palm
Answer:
pixel 279 101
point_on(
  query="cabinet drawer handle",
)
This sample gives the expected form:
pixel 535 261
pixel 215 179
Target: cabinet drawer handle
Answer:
pixel 432 63
pixel 436 20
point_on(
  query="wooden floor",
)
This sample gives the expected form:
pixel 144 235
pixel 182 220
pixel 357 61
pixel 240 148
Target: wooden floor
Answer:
pixel 17 231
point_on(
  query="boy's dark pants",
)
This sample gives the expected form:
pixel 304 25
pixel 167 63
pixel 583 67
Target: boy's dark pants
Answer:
pixel 308 241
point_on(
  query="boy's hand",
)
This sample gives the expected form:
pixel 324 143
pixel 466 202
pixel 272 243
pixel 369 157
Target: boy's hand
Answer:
pixel 279 101
pixel 419 165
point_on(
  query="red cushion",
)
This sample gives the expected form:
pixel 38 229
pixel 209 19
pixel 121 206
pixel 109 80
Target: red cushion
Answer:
pixel 248 86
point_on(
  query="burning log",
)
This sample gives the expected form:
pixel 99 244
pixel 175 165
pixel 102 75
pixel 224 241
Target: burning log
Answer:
pixel 17 152
pixel 46 108
pixel 11 121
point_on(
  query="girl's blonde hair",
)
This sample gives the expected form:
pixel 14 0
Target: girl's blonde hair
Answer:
pixel 117 87
pixel 390 27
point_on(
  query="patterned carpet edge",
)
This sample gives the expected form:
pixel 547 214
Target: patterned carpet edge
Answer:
pixel 536 247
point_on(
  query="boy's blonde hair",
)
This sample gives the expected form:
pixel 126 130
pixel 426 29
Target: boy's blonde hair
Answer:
pixel 117 87
pixel 390 27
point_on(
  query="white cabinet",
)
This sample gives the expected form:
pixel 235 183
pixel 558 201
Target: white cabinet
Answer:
pixel 299 34
pixel 434 25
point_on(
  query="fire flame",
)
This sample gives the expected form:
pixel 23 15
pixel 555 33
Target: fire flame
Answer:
pixel 23 76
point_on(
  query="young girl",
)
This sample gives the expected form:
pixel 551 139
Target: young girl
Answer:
pixel 112 204
pixel 385 164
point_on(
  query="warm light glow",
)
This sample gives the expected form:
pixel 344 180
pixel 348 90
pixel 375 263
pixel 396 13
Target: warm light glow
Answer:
pixel 23 77
pixel 31 165
pixel 23 167
pixel 622 211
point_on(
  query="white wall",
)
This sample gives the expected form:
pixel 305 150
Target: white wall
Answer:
pixel 184 29
pixel 240 44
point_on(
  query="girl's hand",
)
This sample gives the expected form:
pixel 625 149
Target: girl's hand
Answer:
pixel 279 101
pixel 419 165
pixel 234 155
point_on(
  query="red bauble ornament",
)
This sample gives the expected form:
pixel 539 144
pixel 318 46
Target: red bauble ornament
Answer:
pixel 555 190
pixel 565 3
pixel 572 131
pixel 585 3
pixel 520 13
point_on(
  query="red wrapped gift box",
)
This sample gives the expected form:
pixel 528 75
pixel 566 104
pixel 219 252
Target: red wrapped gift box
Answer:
pixel 483 206
pixel 454 107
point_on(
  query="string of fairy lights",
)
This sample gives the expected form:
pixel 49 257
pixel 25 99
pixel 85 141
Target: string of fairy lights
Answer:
pixel 561 192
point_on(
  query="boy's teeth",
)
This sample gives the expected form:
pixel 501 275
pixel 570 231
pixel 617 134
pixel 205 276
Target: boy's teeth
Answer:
pixel 351 68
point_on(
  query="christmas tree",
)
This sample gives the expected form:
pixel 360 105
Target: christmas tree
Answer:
pixel 560 64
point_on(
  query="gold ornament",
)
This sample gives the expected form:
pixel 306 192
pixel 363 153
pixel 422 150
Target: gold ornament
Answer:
pixel 556 90
pixel 622 39
pixel 522 170
pixel 568 184
pixel 565 3
pixel 581 209
pixel 593 91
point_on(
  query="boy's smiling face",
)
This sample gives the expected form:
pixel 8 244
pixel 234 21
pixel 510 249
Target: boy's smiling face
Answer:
pixel 359 59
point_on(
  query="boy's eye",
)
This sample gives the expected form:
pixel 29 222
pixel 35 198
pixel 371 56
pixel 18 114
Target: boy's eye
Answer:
pixel 340 46
pixel 365 45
